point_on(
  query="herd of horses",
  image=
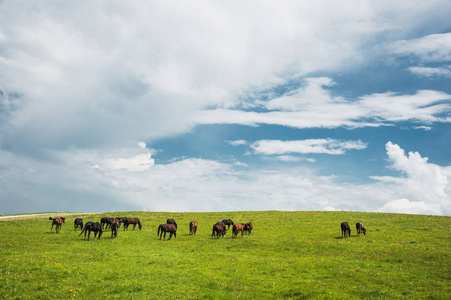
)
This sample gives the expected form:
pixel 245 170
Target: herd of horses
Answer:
pixel 113 224
pixel 219 229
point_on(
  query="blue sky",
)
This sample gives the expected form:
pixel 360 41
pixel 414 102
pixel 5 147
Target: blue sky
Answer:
pixel 220 106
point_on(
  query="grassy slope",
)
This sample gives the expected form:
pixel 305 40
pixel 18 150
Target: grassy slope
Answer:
pixel 289 254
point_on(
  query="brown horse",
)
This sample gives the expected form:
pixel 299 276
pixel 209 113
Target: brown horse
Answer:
pixel 163 228
pixel 360 228
pixel 248 227
pixel 78 223
pixel 219 230
pixel 134 221
pixel 192 227
pixel 237 227
pixel 58 222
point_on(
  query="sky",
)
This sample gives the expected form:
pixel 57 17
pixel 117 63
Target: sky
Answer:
pixel 181 106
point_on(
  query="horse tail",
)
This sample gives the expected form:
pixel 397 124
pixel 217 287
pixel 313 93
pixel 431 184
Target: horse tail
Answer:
pixel 84 229
pixel 159 227
pixel 139 224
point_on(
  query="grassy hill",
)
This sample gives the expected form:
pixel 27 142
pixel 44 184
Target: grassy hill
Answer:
pixel 288 255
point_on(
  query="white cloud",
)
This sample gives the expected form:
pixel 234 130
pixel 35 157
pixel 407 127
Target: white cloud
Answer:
pixel 424 189
pixel 430 72
pixel 431 48
pixel 324 146
pixel 237 142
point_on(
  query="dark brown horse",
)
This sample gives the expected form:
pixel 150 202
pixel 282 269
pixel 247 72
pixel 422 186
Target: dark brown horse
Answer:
pixel 133 221
pixel 114 227
pixel 163 228
pixel 219 230
pixel 237 227
pixel 345 229
pixel 192 227
pixel 58 222
pixel 228 222
pixel 248 227
pixel 360 228
pixel 171 221
pixel 91 226
pixel 78 222
pixel 104 222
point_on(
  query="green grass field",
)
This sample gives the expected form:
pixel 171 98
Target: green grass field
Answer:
pixel 295 255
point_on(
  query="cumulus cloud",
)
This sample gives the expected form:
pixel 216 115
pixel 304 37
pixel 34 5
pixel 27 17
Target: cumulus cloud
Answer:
pixel 422 190
pixel 323 146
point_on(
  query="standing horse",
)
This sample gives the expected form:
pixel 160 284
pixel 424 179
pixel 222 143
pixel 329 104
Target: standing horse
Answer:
pixel 134 221
pixel 228 222
pixel 163 228
pixel 114 227
pixel 78 223
pixel 248 227
pixel 345 229
pixel 219 230
pixel 91 226
pixel 360 228
pixel 192 227
pixel 105 221
pixel 237 227
pixel 58 222
pixel 171 221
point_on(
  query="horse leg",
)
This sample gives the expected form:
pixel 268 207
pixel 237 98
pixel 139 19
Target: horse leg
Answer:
pixel 170 235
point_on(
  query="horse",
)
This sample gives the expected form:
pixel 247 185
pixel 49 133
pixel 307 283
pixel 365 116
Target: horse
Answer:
pixel 219 229
pixel 171 221
pixel 111 220
pixel 134 221
pixel 91 226
pixel 345 229
pixel 78 223
pixel 105 221
pixel 360 228
pixel 114 226
pixel 227 222
pixel 237 227
pixel 58 222
pixel 192 227
pixel 163 228
pixel 248 227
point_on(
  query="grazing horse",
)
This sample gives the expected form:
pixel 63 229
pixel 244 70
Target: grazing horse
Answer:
pixel 105 221
pixel 134 221
pixel 91 226
pixel 171 221
pixel 237 227
pixel 78 223
pixel 248 227
pixel 227 222
pixel 114 227
pixel 163 228
pixel 219 230
pixel 360 228
pixel 58 222
pixel 345 229
pixel 111 220
pixel 192 227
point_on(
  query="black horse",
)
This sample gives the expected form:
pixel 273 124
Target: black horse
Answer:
pixel 171 221
pixel 192 227
pixel 133 221
pixel 219 230
pixel 105 222
pixel 91 226
pixel 78 223
pixel 114 227
pixel 345 229
pixel 360 228
pixel 163 228
pixel 228 222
